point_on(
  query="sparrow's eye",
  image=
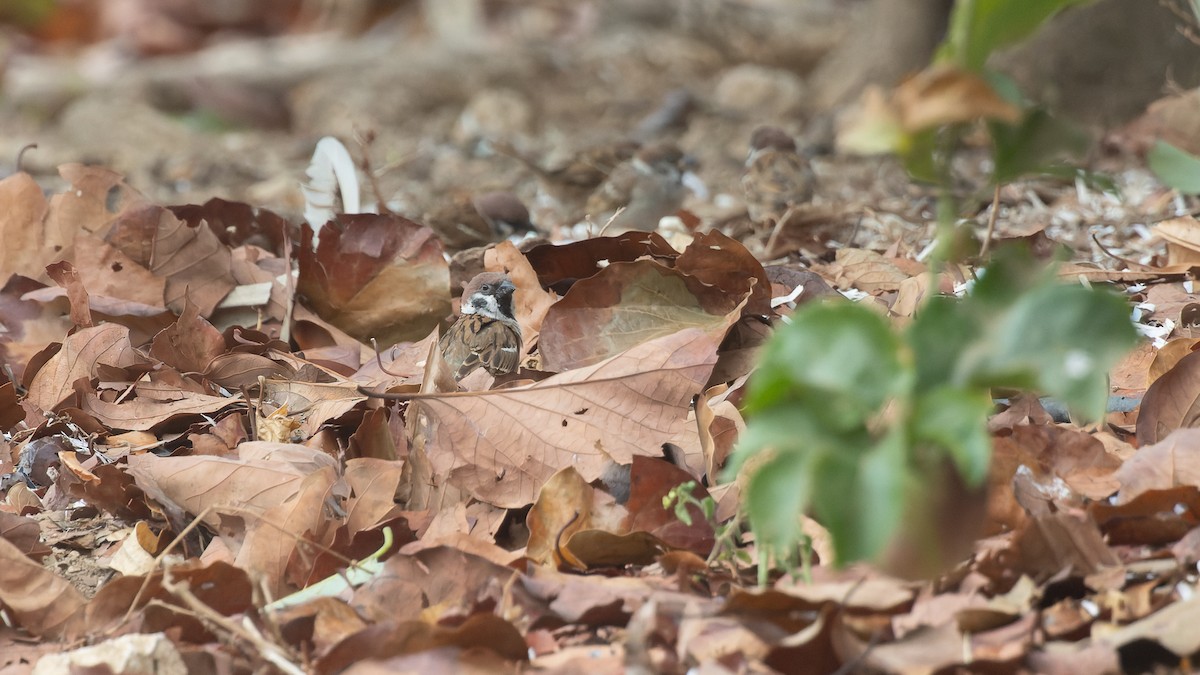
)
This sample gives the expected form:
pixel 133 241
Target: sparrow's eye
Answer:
pixel 486 288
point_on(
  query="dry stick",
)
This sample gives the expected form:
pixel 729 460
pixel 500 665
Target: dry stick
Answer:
pixel 21 154
pixel 365 140
pixel 1128 263
pixel 379 360
pixel 270 651
pixel 199 519
pixel 158 560
pixel 289 303
pixel 773 240
pixel 991 226
pixel 610 221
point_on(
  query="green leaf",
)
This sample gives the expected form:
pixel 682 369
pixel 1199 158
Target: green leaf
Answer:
pixel 1176 168
pixel 979 27
pixel 955 419
pixel 860 496
pixel 839 362
pixel 1032 145
pixel 776 496
pixel 1058 339
pixel 939 334
pixel 920 157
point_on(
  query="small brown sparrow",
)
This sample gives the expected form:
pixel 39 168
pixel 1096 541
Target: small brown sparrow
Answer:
pixel 649 186
pixel 776 176
pixel 465 221
pixel 565 188
pixel 487 334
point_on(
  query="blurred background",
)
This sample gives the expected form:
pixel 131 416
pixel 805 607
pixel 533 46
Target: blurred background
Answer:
pixel 192 99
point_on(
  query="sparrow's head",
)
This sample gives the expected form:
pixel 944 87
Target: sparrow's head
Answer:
pixel 664 159
pixel 489 294
pixel 771 138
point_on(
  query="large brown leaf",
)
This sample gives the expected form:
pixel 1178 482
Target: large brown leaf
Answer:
pixel 502 445
pixel 263 476
pixel 624 305
pixel 40 601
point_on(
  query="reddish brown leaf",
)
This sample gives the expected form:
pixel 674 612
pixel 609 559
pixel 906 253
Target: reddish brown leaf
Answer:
pixel 190 344
pixel 650 481
pixel 380 276
pixel 726 264
pixel 564 264
pixel 64 274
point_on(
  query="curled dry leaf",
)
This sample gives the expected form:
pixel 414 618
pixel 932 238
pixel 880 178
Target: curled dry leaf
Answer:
pixel 79 357
pixel 501 445
pixel 947 95
pixel 568 263
pixel 65 275
pixel 726 264
pixel 380 276
pixel 1169 356
pixel 563 507
pixel 1171 402
pixel 38 600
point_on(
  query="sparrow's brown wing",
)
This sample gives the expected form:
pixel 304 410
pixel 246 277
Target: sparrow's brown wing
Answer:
pixel 475 341
pixel 775 180
pixel 616 192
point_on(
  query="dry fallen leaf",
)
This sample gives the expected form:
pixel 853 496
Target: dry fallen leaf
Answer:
pixel 501 445
pixel 380 276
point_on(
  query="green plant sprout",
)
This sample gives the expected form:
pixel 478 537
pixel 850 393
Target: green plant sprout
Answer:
pixel 859 421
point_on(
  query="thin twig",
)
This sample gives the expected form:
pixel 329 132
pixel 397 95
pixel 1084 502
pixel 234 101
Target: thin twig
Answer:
pixel 610 221
pixel 773 240
pixel 273 653
pixel 289 286
pixel 991 226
